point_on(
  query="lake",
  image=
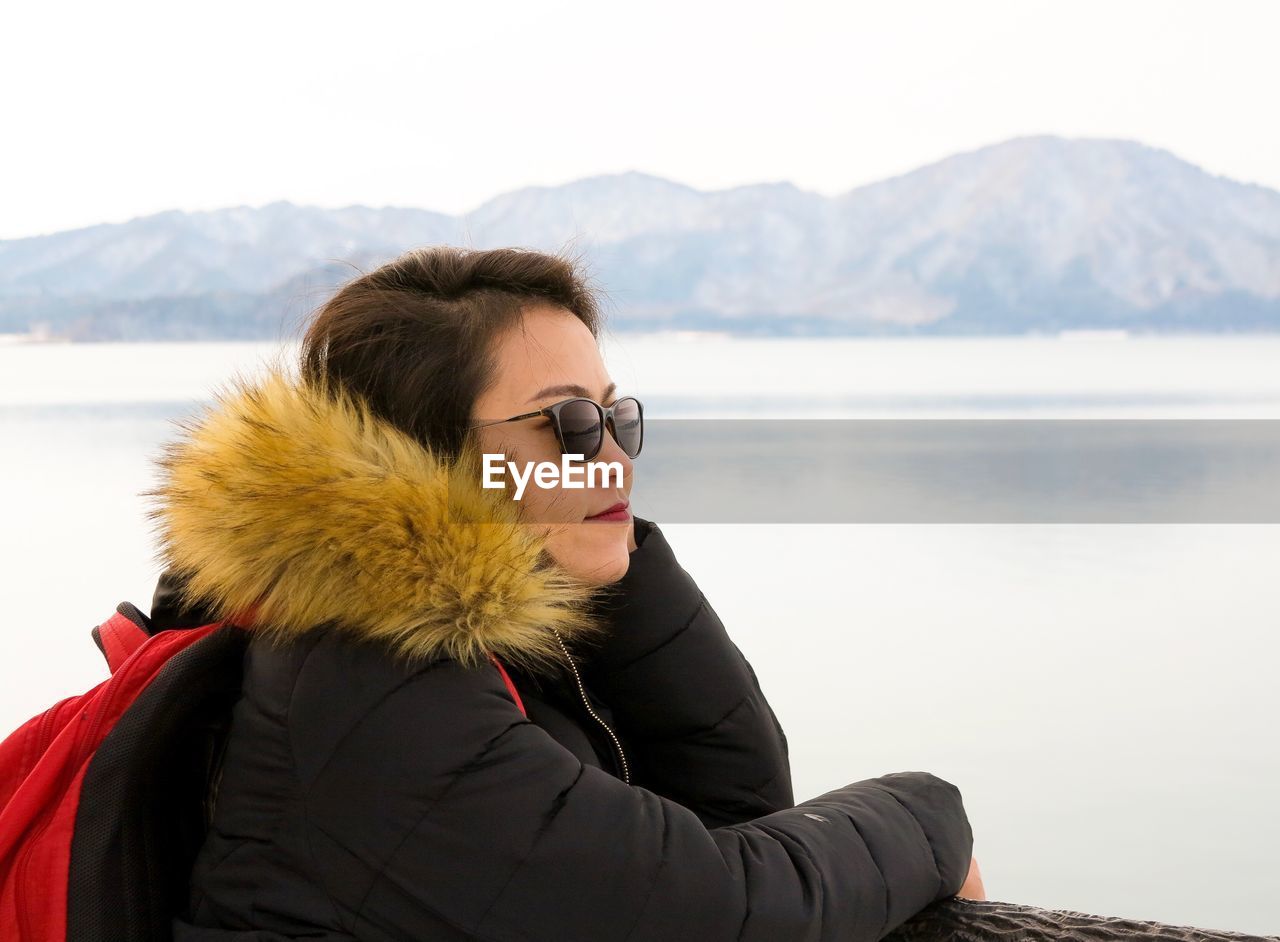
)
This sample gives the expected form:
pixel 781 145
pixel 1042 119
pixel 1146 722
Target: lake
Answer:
pixel 1103 693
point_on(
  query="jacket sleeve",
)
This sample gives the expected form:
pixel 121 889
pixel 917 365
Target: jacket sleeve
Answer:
pixel 688 706
pixel 444 813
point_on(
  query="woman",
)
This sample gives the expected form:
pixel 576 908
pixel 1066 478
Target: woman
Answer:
pixel 468 718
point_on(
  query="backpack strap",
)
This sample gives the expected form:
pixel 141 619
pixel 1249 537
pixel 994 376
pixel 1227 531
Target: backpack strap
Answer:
pixel 515 694
pixel 117 638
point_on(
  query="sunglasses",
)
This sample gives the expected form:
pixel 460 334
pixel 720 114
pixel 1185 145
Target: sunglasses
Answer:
pixel 579 425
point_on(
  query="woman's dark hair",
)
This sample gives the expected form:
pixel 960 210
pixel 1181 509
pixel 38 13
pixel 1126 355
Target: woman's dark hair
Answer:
pixel 414 337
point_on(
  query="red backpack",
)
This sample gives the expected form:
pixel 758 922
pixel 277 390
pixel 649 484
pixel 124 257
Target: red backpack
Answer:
pixel 106 797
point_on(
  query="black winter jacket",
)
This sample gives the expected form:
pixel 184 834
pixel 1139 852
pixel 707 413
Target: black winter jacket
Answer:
pixel 382 781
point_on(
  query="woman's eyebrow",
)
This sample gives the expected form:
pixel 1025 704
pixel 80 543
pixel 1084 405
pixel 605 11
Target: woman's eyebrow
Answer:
pixel 572 389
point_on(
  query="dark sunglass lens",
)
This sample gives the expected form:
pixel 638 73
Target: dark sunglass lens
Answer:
pixel 580 428
pixel 628 426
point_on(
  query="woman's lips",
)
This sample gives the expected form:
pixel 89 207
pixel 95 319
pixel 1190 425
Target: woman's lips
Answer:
pixel 618 511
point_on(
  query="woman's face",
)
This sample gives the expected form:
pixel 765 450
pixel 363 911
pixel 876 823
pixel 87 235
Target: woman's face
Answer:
pixel 549 356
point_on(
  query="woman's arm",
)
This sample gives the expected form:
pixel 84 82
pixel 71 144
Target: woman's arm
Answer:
pixel 693 720
pixel 443 812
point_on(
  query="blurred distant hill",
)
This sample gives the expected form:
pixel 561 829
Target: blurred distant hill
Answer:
pixel 1034 234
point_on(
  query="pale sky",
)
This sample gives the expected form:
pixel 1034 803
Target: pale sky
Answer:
pixel 115 110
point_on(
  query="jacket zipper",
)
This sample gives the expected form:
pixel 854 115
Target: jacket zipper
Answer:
pixel 626 775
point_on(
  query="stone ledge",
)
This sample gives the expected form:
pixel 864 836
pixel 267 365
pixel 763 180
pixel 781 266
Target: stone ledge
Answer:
pixel 966 920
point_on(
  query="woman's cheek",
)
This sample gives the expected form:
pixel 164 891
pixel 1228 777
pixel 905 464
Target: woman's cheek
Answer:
pixel 556 504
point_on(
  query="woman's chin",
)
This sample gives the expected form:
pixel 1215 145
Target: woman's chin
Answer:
pixel 596 553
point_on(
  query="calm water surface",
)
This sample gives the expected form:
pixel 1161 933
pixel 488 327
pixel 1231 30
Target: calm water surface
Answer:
pixel 1103 695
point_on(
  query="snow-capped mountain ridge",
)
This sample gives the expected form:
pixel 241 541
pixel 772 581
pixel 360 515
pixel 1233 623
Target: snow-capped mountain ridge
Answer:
pixel 1036 233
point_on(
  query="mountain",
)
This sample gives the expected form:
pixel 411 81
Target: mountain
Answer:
pixel 1033 234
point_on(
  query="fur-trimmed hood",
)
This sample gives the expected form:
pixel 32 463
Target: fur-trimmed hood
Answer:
pixel 286 508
